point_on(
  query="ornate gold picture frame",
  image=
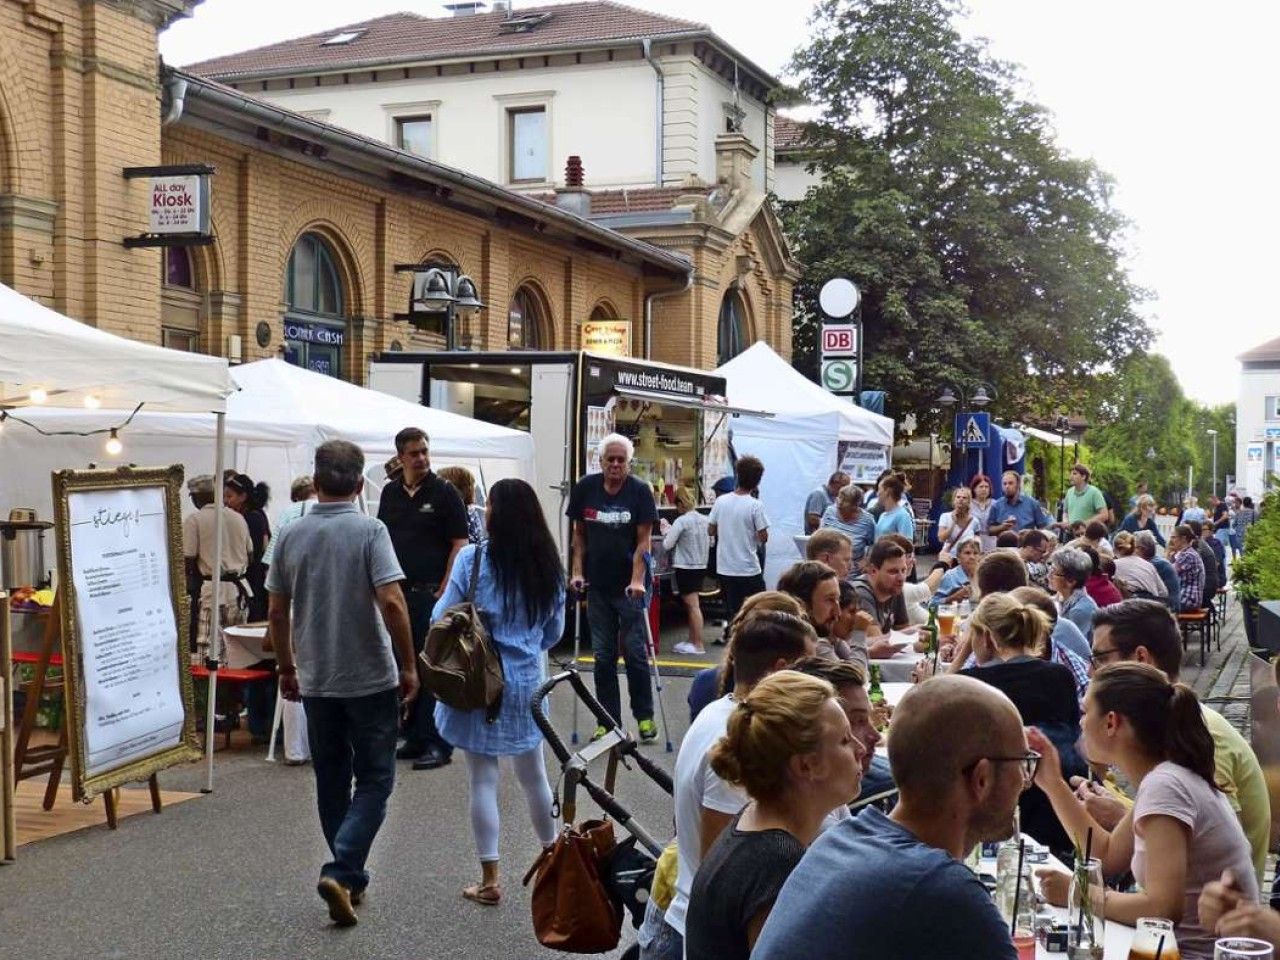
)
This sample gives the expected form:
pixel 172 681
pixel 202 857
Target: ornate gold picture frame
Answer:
pixel 161 565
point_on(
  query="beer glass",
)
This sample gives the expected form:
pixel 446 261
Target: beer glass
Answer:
pixel 947 619
pixel 1153 936
pixel 1242 948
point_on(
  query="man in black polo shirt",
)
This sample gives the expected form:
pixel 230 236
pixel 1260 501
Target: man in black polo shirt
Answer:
pixel 613 515
pixel 428 525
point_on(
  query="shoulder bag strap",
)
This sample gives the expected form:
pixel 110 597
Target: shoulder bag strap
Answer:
pixel 475 572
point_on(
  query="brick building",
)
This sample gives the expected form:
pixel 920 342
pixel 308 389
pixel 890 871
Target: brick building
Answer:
pixel 309 220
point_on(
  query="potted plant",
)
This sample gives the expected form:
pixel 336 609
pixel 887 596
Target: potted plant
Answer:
pixel 1255 574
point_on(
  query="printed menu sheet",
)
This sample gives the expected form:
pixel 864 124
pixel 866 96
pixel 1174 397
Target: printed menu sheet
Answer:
pixel 128 632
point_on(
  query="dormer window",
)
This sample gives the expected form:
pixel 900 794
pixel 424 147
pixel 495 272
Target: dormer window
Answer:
pixel 343 38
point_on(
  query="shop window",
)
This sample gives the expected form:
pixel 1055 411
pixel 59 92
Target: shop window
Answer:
pixel 187 341
pixel 731 331
pixel 527 144
pixel 413 134
pixel 525 322
pixel 314 324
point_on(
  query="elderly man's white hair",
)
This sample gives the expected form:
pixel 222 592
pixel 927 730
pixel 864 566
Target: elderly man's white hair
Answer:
pixel 616 440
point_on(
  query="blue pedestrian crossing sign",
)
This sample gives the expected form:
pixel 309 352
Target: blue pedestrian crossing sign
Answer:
pixel 972 430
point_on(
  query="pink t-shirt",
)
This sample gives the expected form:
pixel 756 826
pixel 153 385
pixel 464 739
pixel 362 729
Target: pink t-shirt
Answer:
pixel 1217 843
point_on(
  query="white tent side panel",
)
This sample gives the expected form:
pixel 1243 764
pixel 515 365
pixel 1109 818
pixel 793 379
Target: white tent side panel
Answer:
pixel 794 451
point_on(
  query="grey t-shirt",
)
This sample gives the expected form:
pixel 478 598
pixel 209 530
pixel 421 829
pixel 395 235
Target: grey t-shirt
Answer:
pixel 817 502
pixel 869 889
pixel 331 562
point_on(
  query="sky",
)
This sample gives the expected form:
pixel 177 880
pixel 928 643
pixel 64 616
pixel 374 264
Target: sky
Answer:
pixel 1174 100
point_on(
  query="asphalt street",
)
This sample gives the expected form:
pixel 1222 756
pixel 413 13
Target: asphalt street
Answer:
pixel 232 874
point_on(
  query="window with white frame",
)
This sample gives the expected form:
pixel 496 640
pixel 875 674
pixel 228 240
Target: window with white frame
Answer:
pixel 414 134
pixel 527 144
pixel 1273 407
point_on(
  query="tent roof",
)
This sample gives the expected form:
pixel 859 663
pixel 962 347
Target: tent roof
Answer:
pixel 759 378
pixel 275 399
pixel 41 348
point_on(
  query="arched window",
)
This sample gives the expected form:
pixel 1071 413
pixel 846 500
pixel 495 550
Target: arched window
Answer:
pixel 731 331
pixel 180 301
pixel 526 321
pixel 315 324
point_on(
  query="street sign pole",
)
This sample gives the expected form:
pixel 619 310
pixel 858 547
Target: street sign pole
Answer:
pixel 840 339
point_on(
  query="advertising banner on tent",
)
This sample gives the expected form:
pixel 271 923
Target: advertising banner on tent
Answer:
pixel 862 461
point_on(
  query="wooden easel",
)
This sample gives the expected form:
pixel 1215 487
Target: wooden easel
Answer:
pixel 50 759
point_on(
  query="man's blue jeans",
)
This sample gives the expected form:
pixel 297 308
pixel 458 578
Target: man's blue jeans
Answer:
pixel 609 616
pixel 352 737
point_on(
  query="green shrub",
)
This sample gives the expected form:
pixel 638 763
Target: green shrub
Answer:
pixel 1256 574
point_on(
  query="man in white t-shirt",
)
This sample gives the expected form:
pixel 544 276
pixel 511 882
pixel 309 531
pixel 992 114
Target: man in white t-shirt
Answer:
pixel 739 524
pixel 766 641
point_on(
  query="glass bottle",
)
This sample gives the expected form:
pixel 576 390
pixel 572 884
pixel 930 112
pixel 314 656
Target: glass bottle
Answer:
pixel 874 693
pixel 1087 931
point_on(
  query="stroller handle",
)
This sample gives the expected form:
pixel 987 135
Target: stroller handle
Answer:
pixel 563 754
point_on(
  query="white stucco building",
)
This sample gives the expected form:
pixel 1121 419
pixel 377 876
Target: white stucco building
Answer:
pixel 1258 417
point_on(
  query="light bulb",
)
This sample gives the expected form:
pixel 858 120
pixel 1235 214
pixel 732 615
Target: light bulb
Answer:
pixel 113 444
pixel 39 395
pixel 91 402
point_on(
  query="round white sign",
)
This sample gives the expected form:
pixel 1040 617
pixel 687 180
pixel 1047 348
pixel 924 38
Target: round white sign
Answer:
pixel 838 298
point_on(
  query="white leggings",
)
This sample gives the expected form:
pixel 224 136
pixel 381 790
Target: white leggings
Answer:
pixel 531 771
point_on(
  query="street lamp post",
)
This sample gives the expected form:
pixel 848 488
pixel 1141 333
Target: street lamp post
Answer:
pixel 1214 482
pixel 440 290
pixel 1062 425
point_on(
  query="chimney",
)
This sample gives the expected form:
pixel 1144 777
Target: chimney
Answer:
pixel 573 197
pixel 734 153
pixel 465 8
pixel 502 6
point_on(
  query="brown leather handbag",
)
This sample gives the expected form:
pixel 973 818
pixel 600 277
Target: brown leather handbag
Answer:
pixel 460 663
pixel 572 911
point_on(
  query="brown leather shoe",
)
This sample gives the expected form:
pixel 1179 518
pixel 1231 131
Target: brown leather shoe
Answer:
pixel 338 898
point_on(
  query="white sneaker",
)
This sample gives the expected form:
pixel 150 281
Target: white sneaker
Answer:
pixel 684 646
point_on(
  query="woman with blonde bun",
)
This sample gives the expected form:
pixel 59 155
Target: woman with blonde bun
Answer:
pixel 790 748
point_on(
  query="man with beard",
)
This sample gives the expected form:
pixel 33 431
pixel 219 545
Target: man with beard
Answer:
pixel 961 762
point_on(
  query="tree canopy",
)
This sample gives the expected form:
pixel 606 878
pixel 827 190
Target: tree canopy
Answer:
pixel 983 250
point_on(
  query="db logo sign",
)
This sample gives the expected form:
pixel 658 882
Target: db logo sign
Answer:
pixel 839 340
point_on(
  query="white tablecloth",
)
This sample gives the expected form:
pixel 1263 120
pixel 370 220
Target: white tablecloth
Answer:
pixel 243 646
pixel 897 669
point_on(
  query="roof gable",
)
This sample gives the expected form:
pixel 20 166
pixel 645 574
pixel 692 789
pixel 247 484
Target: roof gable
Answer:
pixel 410 38
pixel 1262 352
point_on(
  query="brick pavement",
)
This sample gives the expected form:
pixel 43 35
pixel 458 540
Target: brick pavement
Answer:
pixel 1224 681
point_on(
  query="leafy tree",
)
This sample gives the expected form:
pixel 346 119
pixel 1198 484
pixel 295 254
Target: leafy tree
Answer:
pixel 982 250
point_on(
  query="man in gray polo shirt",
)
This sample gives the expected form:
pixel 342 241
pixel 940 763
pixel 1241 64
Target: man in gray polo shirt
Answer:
pixel 334 578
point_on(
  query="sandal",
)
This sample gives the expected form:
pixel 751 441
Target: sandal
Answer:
pixel 487 894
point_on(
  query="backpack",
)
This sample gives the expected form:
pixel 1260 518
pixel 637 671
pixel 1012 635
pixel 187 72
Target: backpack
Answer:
pixel 459 663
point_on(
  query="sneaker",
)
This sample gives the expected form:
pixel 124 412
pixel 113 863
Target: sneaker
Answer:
pixel 685 647
pixel 600 732
pixel 648 730
pixel 338 898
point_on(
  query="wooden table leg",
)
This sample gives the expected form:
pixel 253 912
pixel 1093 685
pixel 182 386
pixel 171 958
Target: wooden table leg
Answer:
pixel 154 784
pixel 109 802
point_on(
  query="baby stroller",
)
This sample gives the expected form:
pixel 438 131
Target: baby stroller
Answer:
pixel 627 872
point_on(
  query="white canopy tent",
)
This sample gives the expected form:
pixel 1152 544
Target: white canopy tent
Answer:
pixel 800 445
pixel 52 366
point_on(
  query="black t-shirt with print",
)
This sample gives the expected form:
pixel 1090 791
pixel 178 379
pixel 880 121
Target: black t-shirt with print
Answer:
pixel 610 522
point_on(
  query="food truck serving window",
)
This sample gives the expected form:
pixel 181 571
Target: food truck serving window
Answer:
pixel 691 403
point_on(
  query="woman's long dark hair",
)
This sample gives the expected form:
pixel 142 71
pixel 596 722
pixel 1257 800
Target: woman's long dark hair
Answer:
pixel 526 563
pixel 1166 717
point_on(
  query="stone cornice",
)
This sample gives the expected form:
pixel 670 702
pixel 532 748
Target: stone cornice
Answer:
pixel 158 13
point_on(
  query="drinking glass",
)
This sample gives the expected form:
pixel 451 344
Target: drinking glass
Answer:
pixel 1087 932
pixel 1153 936
pixel 947 619
pixel 1242 948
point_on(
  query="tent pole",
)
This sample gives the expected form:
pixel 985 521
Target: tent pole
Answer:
pixel 214 653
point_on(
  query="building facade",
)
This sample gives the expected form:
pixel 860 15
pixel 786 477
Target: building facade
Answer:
pixel 309 220
pixel 1258 418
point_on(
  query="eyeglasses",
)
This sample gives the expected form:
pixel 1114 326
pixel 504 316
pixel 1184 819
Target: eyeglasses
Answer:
pixel 1099 657
pixel 1030 763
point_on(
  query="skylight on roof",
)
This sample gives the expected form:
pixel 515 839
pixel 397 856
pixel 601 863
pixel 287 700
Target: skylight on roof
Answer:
pixel 339 39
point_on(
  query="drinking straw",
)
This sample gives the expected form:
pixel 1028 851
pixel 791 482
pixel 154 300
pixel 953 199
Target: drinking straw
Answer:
pixel 1160 947
pixel 1017 890
pixel 1088 848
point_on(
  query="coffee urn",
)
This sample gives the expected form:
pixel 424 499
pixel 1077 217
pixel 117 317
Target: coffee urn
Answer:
pixel 22 554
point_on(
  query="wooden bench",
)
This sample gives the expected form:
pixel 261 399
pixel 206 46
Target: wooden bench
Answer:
pixel 227 675
pixel 1195 621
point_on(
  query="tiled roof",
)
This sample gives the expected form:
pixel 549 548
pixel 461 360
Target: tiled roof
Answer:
pixel 787 133
pixel 408 38
pixel 612 203
pixel 1263 351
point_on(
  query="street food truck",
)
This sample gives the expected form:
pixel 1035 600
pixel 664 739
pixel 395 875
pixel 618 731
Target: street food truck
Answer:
pixel 677 417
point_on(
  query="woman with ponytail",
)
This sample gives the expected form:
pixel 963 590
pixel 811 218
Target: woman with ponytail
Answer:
pixel 1007 638
pixel 790 748
pixel 1181 833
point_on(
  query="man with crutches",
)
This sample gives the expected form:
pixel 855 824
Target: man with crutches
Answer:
pixel 613 514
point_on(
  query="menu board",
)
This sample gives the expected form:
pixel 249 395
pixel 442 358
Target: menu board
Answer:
pixel 119 571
